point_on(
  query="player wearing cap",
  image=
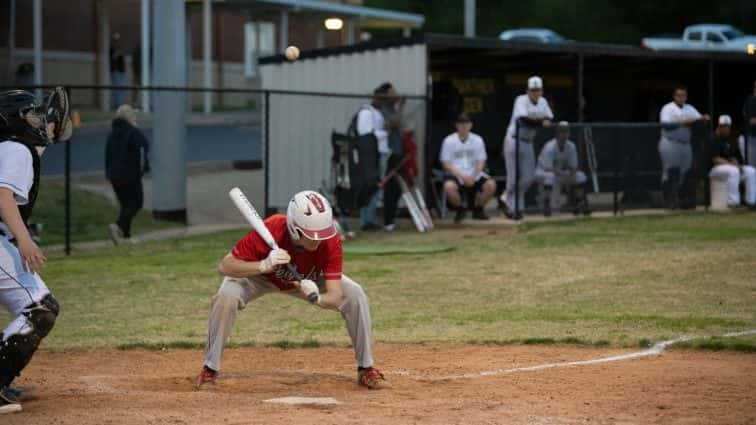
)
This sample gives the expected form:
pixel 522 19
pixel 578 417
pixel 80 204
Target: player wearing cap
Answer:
pixel 676 154
pixel 307 240
pixel 557 171
pixel 463 156
pixel 533 112
pixel 727 164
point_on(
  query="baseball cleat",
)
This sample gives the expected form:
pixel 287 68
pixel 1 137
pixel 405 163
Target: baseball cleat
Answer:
pixel 372 378
pixel 8 402
pixel 460 215
pixel 478 214
pixel 206 379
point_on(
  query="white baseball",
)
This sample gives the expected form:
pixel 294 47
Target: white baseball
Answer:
pixel 292 53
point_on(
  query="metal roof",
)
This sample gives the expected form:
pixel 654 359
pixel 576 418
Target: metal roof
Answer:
pixel 346 10
pixel 456 45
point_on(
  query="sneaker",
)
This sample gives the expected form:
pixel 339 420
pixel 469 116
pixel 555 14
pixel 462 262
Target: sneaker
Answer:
pixel 389 227
pixel 115 233
pixel 371 378
pixel 478 214
pixel 460 215
pixel 206 379
pixel 509 213
pixel 8 402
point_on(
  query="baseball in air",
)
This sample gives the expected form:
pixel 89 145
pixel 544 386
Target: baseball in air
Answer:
pixel 292 53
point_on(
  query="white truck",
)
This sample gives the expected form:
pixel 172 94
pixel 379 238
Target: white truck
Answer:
pixel 711 37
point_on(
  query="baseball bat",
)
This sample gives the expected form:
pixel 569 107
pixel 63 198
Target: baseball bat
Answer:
pixel 253 218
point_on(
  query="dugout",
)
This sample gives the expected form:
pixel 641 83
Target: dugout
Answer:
pixel 482 76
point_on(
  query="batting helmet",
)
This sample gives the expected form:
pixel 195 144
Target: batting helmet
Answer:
pixel 21 119
pixel 310 214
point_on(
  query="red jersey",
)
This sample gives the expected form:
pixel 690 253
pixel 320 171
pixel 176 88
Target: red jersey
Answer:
pixel 325 261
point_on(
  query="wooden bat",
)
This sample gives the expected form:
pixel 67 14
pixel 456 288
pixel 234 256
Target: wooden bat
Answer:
pixel 253 218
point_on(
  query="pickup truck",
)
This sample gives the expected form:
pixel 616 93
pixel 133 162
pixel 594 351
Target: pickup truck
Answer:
pixel 712 37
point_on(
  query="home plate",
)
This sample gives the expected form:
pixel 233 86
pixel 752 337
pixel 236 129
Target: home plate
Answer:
pixel 319 401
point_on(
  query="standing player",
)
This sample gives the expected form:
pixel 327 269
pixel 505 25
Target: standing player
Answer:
pixel 25 130
pixel 463 156
pixel 676 117
pixel 533 112
pixel 558 170
pixel 306 239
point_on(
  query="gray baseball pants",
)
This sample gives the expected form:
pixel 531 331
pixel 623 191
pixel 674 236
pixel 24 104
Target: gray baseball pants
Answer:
pixel 525 164
pixel 675 154
pixel 235 293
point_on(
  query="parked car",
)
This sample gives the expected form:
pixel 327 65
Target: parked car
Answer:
pixel 714 37
pixel 533 35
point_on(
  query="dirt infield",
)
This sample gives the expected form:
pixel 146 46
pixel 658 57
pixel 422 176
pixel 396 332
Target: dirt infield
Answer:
pixel 155 387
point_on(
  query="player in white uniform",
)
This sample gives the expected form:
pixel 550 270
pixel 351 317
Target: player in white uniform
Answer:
pixel 533 112
pixel 463 156
pixel 557 171
pixel 26 128
pixel 676 154
pixel 727 164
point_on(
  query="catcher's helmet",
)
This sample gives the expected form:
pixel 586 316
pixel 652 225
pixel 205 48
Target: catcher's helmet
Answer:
pixel 310 214
pixel 22 118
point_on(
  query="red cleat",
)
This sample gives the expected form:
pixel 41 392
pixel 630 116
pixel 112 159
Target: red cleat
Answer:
pixel 372 378
pixel 206 379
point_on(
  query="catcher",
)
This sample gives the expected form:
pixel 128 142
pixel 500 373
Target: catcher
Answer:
pixel 306 235
pixel 27 127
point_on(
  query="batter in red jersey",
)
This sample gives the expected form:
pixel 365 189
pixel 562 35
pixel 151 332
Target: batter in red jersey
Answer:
pixel 307 239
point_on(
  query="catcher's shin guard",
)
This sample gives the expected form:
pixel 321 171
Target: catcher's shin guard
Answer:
pixel 17 350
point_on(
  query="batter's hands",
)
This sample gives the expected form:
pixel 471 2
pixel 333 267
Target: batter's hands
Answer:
pixel 277 257
pixel 308 288
pixel 547 123
pixel 31 256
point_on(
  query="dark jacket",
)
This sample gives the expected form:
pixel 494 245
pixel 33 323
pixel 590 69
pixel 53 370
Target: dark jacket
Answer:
pixel 723 148
pixel 123 152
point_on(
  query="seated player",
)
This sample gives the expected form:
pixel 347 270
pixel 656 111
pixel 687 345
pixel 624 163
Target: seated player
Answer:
pixel 557 171
pixel 727 164
pixel 463 156
pixel 307 240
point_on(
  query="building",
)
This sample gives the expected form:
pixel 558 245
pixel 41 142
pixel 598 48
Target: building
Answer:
pixel 77 35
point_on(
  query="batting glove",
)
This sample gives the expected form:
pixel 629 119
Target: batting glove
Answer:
pixel 277 257
pixel 310 289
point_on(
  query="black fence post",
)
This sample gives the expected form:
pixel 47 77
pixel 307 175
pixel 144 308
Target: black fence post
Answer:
pixel 616 178
pixel 266 148
pixel 68 195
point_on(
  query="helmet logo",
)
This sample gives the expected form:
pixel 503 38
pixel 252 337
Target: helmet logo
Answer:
pixel 317 202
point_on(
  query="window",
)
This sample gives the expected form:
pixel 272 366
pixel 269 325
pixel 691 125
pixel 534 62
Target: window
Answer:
pixel 259 41
pixel 694 36
pixel 713 37
pixel 732 33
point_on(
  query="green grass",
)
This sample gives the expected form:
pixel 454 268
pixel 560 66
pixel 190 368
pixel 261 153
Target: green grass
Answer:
pixel 90 215
pixel 625 282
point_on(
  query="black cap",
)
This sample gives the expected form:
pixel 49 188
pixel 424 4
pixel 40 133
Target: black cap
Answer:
pixel 463 118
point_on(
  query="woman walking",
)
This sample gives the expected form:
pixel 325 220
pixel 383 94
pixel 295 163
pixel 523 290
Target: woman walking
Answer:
pixel 125 163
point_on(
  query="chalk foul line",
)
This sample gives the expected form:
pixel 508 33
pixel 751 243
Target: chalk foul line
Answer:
pixel 655 350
